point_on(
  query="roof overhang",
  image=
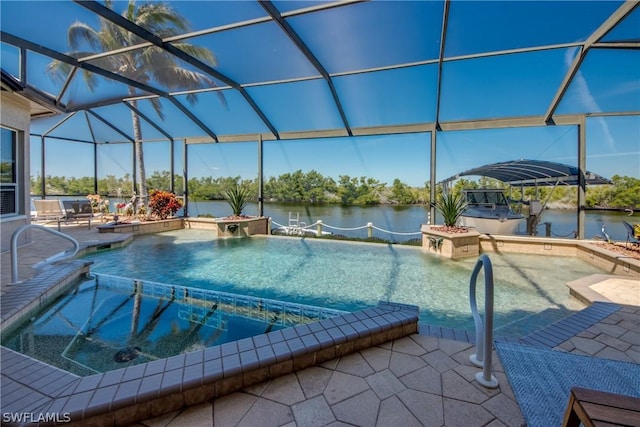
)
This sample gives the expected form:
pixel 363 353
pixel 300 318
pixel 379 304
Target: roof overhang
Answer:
pixel 41 104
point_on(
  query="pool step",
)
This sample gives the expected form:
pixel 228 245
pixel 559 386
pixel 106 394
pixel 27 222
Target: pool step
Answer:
pixel 550 336
pixel 560 331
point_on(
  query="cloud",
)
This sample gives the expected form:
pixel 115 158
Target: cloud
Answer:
pixel 588 101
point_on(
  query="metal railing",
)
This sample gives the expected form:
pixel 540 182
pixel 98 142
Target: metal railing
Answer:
pixel 298 228
pixel 484 332
pixel 57 257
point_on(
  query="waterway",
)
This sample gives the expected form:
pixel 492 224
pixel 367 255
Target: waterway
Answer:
pixel 352 221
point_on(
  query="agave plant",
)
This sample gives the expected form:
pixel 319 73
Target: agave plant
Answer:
pixel 238 197
pixel 450 206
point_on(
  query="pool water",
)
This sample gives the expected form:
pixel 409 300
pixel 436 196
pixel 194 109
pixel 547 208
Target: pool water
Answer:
pixel 109 322
pixel 530 290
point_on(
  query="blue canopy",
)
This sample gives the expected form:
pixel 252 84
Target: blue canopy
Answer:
pixel 532 172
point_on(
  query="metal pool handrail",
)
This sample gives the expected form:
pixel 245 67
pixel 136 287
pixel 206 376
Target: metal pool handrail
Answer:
pixel 57 257
pixel 484 335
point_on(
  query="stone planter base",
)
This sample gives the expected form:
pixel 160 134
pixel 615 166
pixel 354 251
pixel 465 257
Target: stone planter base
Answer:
pixel 241 227
pixel 143 227
pixel 451 245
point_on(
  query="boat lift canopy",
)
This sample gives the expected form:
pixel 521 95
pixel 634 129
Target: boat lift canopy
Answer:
pixel 528 173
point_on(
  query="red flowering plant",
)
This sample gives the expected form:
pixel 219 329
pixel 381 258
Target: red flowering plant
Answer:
pixel 163 204
pixel 120 207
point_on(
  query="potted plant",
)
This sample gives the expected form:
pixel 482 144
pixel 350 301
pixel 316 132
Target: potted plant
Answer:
pixel 163 205
pixel 238 197
pixel 450 240
pixel 450 206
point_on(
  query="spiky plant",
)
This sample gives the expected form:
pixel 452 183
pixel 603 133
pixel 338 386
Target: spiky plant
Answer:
pixel 238 197
pixel 450 206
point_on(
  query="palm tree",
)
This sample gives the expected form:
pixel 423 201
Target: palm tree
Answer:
pixel 145 65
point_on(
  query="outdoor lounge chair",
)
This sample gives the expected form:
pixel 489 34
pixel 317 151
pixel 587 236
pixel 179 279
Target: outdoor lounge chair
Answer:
pixel 633 233
pixel 78 210
pixel 47 210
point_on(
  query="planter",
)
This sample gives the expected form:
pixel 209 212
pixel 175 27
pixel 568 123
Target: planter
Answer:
pixel 451 245
pixel 231 227
pixel 145 227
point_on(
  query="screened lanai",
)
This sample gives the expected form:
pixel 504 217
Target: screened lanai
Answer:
pixel 442 86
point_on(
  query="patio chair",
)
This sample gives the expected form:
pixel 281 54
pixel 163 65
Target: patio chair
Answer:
pixel 593 407
pixel 48 209
pixel 78 210
pixel 633 233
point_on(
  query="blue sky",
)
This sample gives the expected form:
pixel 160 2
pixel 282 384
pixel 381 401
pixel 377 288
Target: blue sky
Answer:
pixel 613 148
pixel 404 32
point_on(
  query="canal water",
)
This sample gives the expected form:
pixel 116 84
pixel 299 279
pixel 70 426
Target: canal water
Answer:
pixel 352 221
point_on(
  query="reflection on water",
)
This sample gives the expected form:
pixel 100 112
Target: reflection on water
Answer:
pixel 350 276
pixel 111 322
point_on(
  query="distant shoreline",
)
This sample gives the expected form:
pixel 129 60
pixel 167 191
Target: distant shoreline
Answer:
pixel 613 209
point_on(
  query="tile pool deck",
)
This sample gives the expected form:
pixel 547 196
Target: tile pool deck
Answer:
pixel 422 378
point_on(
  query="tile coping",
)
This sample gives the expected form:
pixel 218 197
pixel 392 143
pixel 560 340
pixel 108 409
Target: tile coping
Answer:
pixel 141 391
pixel 146 390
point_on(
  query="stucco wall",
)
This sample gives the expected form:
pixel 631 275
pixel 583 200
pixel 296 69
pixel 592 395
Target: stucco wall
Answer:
pixel 15 114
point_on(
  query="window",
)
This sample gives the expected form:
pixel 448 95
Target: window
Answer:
pixel 8 173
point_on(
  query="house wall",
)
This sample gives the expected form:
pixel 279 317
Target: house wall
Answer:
pixel 15 115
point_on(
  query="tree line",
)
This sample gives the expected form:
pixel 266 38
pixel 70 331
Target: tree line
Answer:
pixel 314 188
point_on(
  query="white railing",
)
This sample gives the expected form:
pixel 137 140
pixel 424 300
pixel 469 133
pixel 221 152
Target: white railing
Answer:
pixel 57 257
pixel 484 332
pixel 298 228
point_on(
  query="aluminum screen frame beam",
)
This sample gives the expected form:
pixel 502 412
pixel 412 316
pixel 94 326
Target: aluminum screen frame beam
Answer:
pixel 443 38
pixel 20 42
pixel 623 11
pixel 148 120
pixel 110 15
pixel 268 6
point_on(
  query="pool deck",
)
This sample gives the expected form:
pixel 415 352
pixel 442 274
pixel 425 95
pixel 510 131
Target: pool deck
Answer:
pixel 422 378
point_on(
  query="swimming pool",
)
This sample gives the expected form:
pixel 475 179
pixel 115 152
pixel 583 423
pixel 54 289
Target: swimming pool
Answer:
pixel 108 322
pixel 530 290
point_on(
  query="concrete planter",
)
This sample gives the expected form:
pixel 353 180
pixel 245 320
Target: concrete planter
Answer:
pixel 226 227
pixel 451 245
pixel 146 227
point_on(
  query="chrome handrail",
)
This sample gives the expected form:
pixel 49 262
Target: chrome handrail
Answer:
pixel 484 335
pixel 57 257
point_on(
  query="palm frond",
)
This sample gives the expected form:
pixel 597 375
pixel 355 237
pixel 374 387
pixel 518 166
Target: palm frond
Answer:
pixel 130 11
pixel 143 65
pixel 90 79
pixel 157 106
pixel 199 52
pixel 80 33
pixel 59 71
pixel 161 20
